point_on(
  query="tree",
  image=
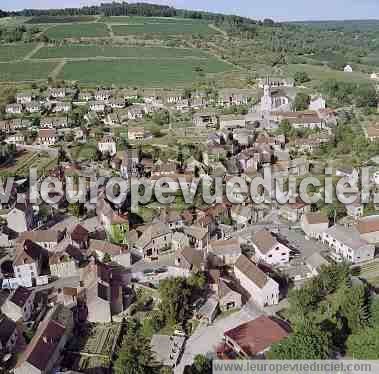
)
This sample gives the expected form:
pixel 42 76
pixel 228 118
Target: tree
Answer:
pixel 364 345
pixel 107 258
pixel 201 365
pixel 301 77
pixel 134 355
pixel 175 296
pixel 161 117
pixel 365 96
pixel 308 342
pixel 302 101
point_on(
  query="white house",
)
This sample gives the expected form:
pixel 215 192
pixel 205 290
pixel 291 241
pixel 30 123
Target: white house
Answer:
pixel 62 107
pixel 47 137
pixel 19 304
pixel 348 69
pixel 57 93
pixel 27 264
pixel 347 242
pixel 268 249
pixel 314 224
pixel 24 97
pixel 33 107
pixel 232 121
pixel 97 106
pixel 317 103
pixel 107 144
pixel 13 109
pixel 262 289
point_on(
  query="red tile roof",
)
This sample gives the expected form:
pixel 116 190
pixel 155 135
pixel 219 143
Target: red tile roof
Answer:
pixel 256 336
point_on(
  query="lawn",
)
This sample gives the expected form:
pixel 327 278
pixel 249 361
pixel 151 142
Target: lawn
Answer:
pixel 84 152
pixel 10 52
pixel 173 28
pixel 87 51
pixel 25 71
pixel 144 20
pixel 142 73
pixel 324 73
pixel 60 19
pixel 80 30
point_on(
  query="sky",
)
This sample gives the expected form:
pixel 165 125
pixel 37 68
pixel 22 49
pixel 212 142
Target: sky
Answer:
pixel 279 10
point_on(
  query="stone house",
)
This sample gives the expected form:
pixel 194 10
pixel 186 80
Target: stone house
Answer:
pixel 227 252
pixel 155 239
pixel 197 235
pixel 227 297
pixel 190 259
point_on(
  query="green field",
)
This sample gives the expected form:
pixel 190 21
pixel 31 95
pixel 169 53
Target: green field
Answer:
pixel 143 73
pixel 60 19
pixel 15 51
pixel 80 30
pixel 87 51
pixel 173 28
pixel 324 73
pixel 13 21
pixel 144 20
pixel 25 71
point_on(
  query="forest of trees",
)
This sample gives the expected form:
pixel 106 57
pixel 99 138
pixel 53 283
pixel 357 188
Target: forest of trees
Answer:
pixel 138 9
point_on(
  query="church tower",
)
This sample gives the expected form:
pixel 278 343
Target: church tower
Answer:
pixel 266 100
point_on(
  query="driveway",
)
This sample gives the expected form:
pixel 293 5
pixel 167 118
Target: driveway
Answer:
pixel 206 338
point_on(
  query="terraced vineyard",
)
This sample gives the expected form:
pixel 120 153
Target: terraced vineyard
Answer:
pixel 79 30
pixel 369 271
pixel 170 28
pixel 25 70
pixel 58 19
pixel 15 51
pixel 145 20
pixel 88 51
pixel 142 72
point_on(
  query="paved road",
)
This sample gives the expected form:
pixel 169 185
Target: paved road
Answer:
pixel 39 148
pixel 207 338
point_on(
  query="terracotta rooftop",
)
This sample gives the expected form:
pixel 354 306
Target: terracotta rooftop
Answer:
pixel 256 336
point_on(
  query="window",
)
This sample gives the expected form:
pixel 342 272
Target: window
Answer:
pixel 270 256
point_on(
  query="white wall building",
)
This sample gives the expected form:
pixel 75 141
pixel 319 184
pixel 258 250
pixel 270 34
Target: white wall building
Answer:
pixel 268 249
pixel 263 290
